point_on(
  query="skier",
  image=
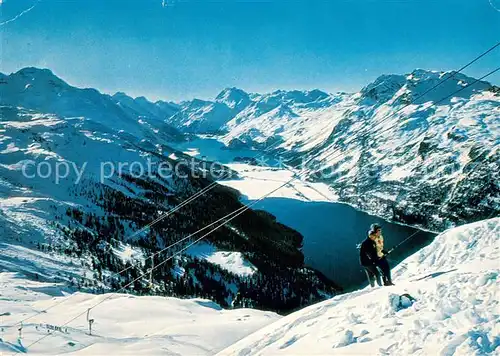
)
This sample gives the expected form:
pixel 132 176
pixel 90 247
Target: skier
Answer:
pixel 373 256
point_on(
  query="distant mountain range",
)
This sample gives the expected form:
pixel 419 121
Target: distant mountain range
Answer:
pixel 386 149
pixel 401 148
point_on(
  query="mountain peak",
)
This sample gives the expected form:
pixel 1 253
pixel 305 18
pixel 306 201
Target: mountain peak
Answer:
pixel 231 91
pixel 39 75
pixel 35 71
pixel 143 100
pixel 233 97
pixel 120 94
pixel 422 85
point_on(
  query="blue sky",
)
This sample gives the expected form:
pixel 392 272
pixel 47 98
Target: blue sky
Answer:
pixel 197 48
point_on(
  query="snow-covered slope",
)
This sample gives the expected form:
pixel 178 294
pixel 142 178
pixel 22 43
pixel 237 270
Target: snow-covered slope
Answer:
pixel 202 116
pixel 123 324
pixel 429 165
pixel 302 120
pixel 454 282
pixel 285 119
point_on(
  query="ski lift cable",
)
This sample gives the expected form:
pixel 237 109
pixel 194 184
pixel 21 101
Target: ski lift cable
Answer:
pixel 450 76
pixel 418 231
pixel 439 101
pixel 420 203
pixel 234 215
pixel 441 82
pixel 245 207
pixel 170 212
pixel 178 253
pixel 238 212
pixel 477 80
pixel 453 74
pixel 178 207
pixel 144 228
pixel 435 103
pixel 213 184
pixel 445 98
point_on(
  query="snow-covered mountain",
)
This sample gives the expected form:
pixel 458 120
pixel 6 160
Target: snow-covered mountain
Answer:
pixel 445 302
pixel 143 108
pixel 81 228
pixel 234 98
pixel 432 163
pixel 202 116
pixel 396 148
pixel 429 165
pixel 41 90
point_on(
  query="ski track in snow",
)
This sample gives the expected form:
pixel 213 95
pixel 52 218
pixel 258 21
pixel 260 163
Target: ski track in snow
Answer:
pixel 260 180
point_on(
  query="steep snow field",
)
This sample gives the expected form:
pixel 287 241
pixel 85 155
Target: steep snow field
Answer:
pixel 255 180
pixel 79 225
pixel 124 324
pixel 456 310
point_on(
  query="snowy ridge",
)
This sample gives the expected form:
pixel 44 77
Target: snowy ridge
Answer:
pixel 417 155
pixel 386 149
pixel 454 282
pixel 199 116
pixel 159 110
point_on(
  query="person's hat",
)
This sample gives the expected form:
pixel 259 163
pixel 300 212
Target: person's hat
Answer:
pixel 375 227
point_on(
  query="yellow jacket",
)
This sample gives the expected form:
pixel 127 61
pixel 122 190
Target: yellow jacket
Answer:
pixel 379 243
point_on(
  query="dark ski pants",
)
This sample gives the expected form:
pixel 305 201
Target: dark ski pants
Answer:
pixel 373 274
pixel 383 264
